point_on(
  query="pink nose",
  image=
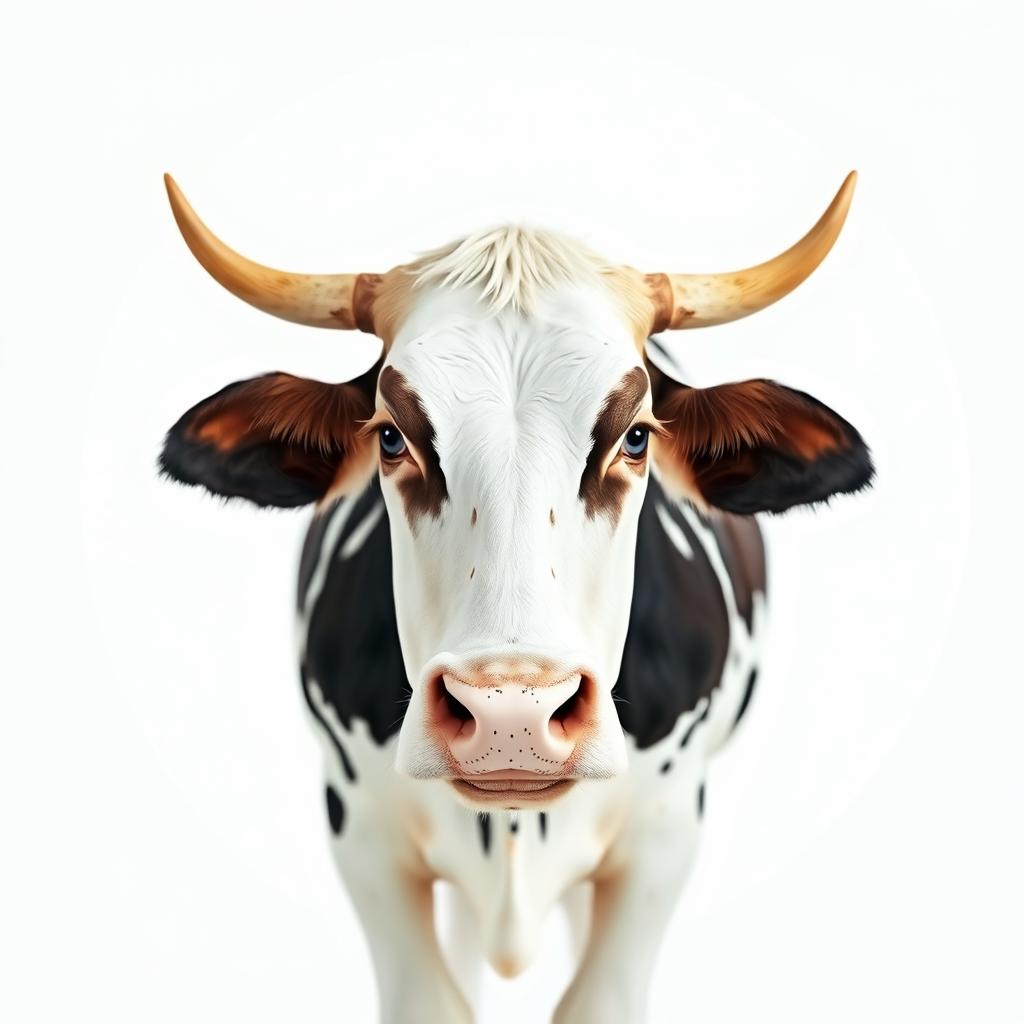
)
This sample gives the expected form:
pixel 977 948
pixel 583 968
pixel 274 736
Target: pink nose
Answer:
pixel 522 723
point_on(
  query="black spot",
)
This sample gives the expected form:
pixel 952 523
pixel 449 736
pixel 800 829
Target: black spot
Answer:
pixel 513 826
pixel 666 768
pixel 346 764
pixel 352 648
pixel 484 823
pixel 543 819
pixel 335 810
pixel 747 694
pixel 678 634
pixel 693 725
pixel 700 801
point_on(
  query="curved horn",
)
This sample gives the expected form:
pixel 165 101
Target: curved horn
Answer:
pixel 321 300
pixel 704 300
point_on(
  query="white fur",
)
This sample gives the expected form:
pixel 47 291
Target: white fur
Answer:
pixel 513 398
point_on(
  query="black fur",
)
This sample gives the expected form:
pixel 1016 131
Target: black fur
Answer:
pixel 484 824
pixel 266 472
pixel 346 761
pixel 674 654
pixel 678 629
pixel 747 694
pixel 693 726
pixel 775 480
pixel 352 648
pixel 335 810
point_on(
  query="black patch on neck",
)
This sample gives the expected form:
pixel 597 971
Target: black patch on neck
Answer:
pixel 678 628
pixel 346 763
pixel 352 647
pixel 702 717
pixel 747 694
pixel 335 810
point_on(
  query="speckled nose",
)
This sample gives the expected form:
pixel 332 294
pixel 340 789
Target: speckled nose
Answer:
pixel 516 725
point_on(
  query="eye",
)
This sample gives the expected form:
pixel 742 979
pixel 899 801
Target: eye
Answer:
pixel 635 444
pixel 392 444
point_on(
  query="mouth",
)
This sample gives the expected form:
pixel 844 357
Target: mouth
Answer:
pixel 511 790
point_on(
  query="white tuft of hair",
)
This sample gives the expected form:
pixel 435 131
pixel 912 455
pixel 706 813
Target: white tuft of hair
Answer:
pixel 511 265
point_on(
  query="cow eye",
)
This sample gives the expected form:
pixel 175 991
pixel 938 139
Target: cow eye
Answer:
pixel 635 444
pixel 392 444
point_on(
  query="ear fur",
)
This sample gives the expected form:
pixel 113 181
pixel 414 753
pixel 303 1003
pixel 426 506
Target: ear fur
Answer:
pixel 275 440
pixel 756 446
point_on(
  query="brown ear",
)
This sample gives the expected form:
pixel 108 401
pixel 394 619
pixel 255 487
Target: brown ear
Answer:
pixel 755 446
pixel 275 440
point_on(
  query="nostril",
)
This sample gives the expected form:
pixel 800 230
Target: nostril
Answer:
pixel 455 707
pixel 450 715
pixel 570 717
pixel 569 707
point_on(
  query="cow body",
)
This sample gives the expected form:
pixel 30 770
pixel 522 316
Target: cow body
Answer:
pixel 689 666
pixel 531 598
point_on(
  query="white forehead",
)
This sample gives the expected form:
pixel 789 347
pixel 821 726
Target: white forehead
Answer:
pixel 494 382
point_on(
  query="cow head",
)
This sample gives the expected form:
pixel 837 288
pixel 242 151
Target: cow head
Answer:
pixel 514 421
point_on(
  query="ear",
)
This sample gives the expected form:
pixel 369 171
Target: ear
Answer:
pixel 755 446
pixel 275 440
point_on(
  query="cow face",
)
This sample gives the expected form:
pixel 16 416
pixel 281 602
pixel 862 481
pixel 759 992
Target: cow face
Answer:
pixel 513 459
pixel 514 421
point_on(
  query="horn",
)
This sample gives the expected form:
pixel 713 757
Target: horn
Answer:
pixel 341 301
pixel 704 300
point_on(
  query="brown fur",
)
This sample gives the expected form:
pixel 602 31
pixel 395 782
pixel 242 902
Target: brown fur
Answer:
pixel 726 419
pixel 425 491
pixel 602 492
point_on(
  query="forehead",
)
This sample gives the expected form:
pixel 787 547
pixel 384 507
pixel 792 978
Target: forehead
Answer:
pixel 572 347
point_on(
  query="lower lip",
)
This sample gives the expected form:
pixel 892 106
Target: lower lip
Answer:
pixel 515 791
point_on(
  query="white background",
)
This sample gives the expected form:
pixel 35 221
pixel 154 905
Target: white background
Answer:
pixel 164 853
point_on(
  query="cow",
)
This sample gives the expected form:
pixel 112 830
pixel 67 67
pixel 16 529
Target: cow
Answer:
pixel 532 594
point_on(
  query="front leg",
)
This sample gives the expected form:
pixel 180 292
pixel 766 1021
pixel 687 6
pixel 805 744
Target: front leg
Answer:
pixel 634 896
pixel 393 897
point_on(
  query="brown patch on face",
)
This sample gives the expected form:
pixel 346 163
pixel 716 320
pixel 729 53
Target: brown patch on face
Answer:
pixel 354 472
pixel 423 492
pixel 600 491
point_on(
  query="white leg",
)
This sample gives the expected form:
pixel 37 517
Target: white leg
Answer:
pixel 632 903
pixel 394 900
pixel 577 903
pixel 460 939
